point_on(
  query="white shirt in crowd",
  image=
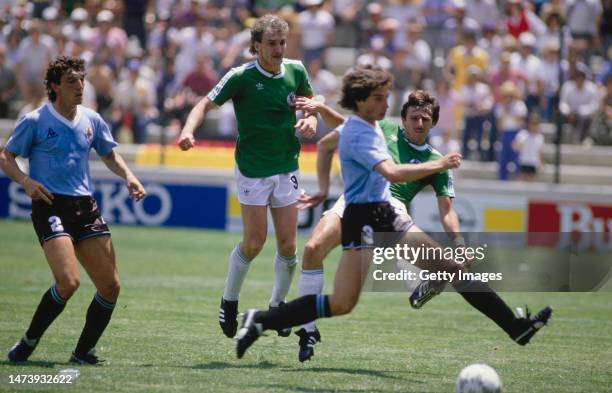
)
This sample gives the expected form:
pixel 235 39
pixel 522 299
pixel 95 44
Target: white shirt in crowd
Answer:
pixel 530 147
pixel 583 102
pixel 512 116
pixel 315 28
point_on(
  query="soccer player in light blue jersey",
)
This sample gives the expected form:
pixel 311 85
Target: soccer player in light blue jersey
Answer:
pixel 56 139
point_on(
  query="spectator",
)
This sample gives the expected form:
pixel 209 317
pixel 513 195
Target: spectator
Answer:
pixel 526 62
pixel 8 84
pixel 528 145
pixel 33 55
pixel 477 101
pixel 316 27
pixel 520 19
pixel 201 79
pixel 193 40
pixel 417 54
pixel 485 12
pixel 510 114
pixel 134 104
pixel 435 12
pixel 458 26
pixel 492 43
pixel 583 19
pixel 79 25
pixel 548 80
pixel 579 103
pixel 376 55
pixel 100 75
pixel 507 72
pixel 463 56
pixel 111 37
pixel 444 134
pixel 369 24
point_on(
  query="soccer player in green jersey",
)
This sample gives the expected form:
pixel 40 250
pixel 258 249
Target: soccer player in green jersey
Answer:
pixel 407 144
pixel 263 93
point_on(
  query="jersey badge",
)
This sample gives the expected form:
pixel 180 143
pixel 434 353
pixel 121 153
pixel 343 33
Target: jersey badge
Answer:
pixel 51 134
pixel 291 99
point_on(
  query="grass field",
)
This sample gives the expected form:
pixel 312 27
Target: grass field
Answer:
pixel 164 335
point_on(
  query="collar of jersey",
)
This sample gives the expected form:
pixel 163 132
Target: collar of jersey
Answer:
pixel 269 74
pixel 422 147
pixel 62 119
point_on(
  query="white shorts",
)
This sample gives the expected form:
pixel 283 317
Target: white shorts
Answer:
pixel 277 191
pixel 338 208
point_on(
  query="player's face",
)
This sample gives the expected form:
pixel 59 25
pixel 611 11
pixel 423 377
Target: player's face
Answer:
pixel 417 124
pixel 70 90
pixel 375 106
pixel 271 49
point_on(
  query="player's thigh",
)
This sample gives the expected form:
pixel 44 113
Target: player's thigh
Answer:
pixel 285 227
pixel 254 227
pixel 60 254
pixel 347 282
pixel 97 255
pixel 415 237
pixel 325 237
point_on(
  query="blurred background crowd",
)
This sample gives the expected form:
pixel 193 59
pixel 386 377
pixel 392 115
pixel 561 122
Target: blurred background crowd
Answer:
pixel 495 65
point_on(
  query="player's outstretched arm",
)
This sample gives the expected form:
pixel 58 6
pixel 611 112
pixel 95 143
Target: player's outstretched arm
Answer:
pixel 117 165
pixel 450 220
pixel 325 153
pixel 309 105
pixel 34 189
pixel 397 173
pixel 195 118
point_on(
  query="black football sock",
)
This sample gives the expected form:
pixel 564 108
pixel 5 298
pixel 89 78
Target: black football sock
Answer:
pixel 484 299
pixel 296 312
pixel 51 305
pixel 98 316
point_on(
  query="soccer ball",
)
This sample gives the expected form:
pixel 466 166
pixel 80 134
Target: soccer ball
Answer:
pixel 478 378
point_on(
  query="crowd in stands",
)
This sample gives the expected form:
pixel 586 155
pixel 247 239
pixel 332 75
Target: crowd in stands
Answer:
pixel 492 63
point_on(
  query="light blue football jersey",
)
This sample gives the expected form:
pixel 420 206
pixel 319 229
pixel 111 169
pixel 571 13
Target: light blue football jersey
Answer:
pixel 58 149
pixel 362 146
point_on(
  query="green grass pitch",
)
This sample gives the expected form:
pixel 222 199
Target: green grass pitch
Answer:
pixel 164 335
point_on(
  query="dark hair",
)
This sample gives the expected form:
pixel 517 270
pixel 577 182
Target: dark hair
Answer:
pixel 59 67
pixel 420 99
pixel 266 22
pixel 358 84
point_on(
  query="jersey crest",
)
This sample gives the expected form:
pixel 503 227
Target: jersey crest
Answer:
pixel 291 99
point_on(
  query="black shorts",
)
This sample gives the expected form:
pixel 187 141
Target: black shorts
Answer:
pixel 75 216
pixel 529 169
pixel 363 225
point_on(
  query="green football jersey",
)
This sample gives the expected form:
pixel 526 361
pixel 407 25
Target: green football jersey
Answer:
pixel 265 114
pixel 404 152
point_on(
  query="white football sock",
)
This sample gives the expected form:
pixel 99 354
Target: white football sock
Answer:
pixel 238 268
pixel 311 283
pixel 283 274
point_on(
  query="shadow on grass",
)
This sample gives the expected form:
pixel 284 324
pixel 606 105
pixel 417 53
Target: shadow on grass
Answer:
pixel 223 366
pixel 351 371
pixel 319 389
pixel 29 363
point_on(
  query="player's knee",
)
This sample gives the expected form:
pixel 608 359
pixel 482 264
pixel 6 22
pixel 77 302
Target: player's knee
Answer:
pixel 251 248
pixel 342 306
pixel 110 291
pixel 313 255
pixel 287 247
pixel 67 286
